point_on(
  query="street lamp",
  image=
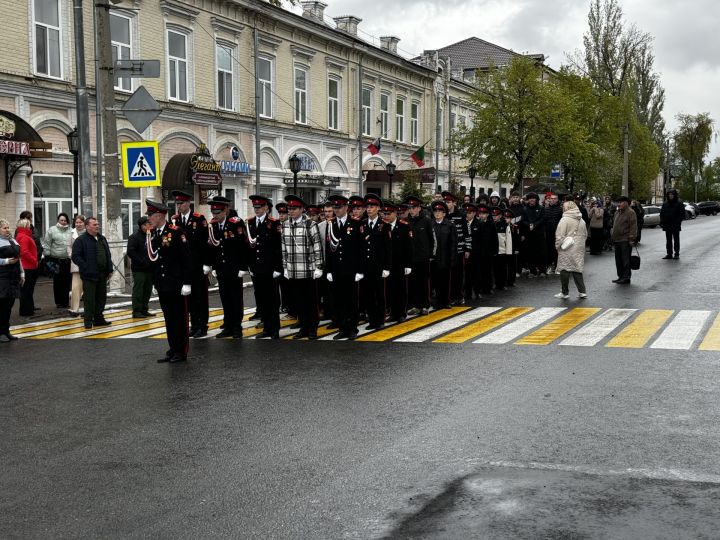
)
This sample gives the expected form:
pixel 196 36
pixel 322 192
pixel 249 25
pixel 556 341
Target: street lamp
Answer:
pixel 390 169
pixel 73 139
pixel 295 168
pixel 472 171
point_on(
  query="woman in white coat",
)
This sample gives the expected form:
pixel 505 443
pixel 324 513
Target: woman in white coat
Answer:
pixel 77 285
pixel 571 260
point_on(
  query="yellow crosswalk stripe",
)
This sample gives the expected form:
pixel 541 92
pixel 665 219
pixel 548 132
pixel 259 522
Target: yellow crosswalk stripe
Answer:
pixel 712 338
pixel 321 332
pixel 562 325
pixel 396 330
pixel 151 325
pixel 66 324
pixel 483 325
pixel 216 324
pixel 639 332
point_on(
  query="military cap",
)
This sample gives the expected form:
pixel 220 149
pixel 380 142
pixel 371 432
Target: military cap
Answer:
pixel 313 209
pixel 448 196
pixel 389 206
pixel 469 207
pixel 155 207
pixel 356 200
pixel 259 201
pixel 483 209
pixel 181 196
pixel 281 207
pixel 496 211
pixel 440 205
pixel 338 200
pixel 402 207
pixel 413 201
pixel 509 213
pixel 371 198
pixel 293 201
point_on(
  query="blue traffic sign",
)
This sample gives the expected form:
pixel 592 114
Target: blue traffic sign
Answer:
pixel 141 164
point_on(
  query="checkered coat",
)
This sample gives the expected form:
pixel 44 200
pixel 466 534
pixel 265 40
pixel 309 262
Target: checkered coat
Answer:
pixel 302 248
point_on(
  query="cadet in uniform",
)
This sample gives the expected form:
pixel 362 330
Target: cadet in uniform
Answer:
pixel 229 241
pixel 169 253
pixel 457 275
pixel 346 265
pixel 264 239
pixel 356 205
pixel 423 249
pixel 445 256
pixel 471 225
pixel 195 227
pixel 401 268
pixel 484 249
pixel 378 262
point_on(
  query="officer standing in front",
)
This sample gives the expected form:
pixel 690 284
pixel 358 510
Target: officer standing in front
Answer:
pixel 401 267
pixel 423 249
pixel 169 253
pixel 457 275
pixel 229 241
pixel 195 227
pixel 378 262
pixel 264 237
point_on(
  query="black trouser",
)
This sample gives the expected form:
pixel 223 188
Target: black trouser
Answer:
pixel 501 264
pixel 670 237
pixel 457 278
pixel 94 298
pixel 175 311
pixel 6 305
pixel 622 260
pixel 374 292
pixel 597 239
pixel 199 304
pixel 512 268
pixel 482 268
pixel 231 297
pixel 535 252
pixel 266 298
pixel 62 282
pixel 420 285
pixel 440 278
pixel 551 253
pixel 286 297
pixel 304 294
pixel 345 291
pixel 398 293
pixel 27 303
pixel 142 289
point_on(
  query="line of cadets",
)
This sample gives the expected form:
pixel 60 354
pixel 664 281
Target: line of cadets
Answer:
pixel 363 259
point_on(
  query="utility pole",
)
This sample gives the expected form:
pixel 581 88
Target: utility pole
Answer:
pixel 84 198
pixel 258 98
pixel 106 86
pixel 626 152
pixel 98 130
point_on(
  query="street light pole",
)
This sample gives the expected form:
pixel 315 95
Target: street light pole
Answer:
pixel 390 169
pixel 295 168
pixel 73 139
pixel 472 171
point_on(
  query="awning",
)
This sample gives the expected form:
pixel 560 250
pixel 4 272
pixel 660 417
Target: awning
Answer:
pixel 19 142
pixel 185 170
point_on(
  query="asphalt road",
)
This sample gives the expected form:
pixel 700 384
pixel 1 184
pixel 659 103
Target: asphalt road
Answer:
pixel 327 439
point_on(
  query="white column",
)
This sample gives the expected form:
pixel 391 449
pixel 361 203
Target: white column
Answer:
pixel 19 187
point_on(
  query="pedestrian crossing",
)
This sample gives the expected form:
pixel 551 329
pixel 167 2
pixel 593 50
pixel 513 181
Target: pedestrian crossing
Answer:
pixel 488 325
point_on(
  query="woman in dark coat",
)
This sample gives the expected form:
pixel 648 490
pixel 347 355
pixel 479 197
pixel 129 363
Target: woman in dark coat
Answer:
pixel 441 266
pixel 12 278
pixel 672 215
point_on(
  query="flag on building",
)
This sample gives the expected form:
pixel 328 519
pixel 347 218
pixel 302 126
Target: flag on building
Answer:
pixel 419 156
pixel 374 147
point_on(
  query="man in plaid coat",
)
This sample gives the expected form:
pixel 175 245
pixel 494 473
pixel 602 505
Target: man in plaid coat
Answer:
pixel 302 253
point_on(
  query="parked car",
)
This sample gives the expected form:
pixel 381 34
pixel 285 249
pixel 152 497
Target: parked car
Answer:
pixel 709 208
pixel 690 212
pixel 651 219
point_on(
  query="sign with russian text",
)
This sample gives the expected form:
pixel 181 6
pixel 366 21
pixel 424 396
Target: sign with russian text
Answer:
pixel 14 148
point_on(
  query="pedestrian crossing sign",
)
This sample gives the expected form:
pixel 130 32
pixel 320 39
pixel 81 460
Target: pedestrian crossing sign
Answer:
pixel 140 164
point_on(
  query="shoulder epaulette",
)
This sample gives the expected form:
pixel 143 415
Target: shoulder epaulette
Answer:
pixel 197 214
pixel 403 222
pixel 174 227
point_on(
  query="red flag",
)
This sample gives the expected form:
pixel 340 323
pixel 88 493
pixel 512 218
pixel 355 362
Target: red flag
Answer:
pixel 419 156
pixel 374 147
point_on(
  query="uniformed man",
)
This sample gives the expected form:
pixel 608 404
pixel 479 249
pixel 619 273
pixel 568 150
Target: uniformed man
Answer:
pixel 457 275
pixel 264 239
pixel 325 300
pixel 471 226
pixel 423 249
pixel 402 211
pixel 313 212
pixel 356 204
pixel 401 268
pixel 230 248
pixel 378 262
pixel 484 250
pixel 195 227
pixel 445 256
pixel 169 253
pixel 346 265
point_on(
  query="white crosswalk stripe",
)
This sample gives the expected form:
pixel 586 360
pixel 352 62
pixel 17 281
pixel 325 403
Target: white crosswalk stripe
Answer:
pixel 447 325
pixel 594 332
pixel 519 327
pixel 682 331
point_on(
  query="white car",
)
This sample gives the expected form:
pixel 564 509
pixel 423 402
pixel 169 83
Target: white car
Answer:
pixel 690 212
pixel 651 219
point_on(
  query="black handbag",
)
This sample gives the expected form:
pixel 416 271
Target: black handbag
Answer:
pixel 635 260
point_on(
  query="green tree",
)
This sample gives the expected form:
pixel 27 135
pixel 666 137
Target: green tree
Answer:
pixel 412 186
pixel 692 143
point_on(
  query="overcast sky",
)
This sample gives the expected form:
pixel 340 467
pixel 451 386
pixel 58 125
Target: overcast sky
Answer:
pixel 687 41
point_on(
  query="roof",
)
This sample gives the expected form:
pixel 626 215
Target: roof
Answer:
pixel 475 53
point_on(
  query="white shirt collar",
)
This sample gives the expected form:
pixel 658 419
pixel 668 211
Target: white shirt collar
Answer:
pixel 187 216
pixel 298 221
pixel 260 219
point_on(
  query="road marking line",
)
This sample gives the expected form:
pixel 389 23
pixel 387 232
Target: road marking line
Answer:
pixel 214 326
pixel 60 321
pixel 712 338
pixel 111 333
pixel 516 329
pixel 75 323
pixel 404 327
pixel 446 326
pixel 639 332
pixel 483 326
pixel 593 333
pixel 559 327
pixel 682 331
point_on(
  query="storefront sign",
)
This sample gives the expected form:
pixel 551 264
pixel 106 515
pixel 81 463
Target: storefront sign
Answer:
pixel 309 180
pixel 14 148
pixel 234 167
pixel 7 127
pixel 205 171
pixel 306 162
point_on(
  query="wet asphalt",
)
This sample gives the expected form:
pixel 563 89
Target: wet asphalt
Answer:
pixel 287 439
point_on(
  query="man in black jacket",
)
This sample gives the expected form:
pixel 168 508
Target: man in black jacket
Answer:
pixel 423 250
pixel 378 262
pixel 141 269
pixel 533 235
pixel 553 214
pixel 484 248
pixel 401 268
pixel 457 217
pixel 91 253
pixel 672 214
pixel 445 256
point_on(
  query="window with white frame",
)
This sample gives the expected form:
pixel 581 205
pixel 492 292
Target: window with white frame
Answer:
pixel 46 25
pixel 224 58
pixel 120 32
pixel 265 76
pixel 384 115
pixel 333 103
pixel 301 95
pixel 178 65
pixel 414 122
pixel 400 119
pixel 366 111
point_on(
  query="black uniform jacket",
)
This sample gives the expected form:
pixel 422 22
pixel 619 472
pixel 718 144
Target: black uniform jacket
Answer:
pixel 172 268
pixel 265 244
pixel 196 232
pixel 484 239
pixel 347 251
pixel 379 247
pixel 402 247
pixel 446 244
pixel 423 238
pixel 229 247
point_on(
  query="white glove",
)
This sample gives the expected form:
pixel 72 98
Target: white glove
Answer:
pixel 185 291
pixel 358 277
pixel 317 273
pixel 286 274
pixel 329 278
pixel 407 271
pixel 251 274
pixel 385 273
pixel 276 275
pixel 241 273
pixel 206 269
pixel 214 273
